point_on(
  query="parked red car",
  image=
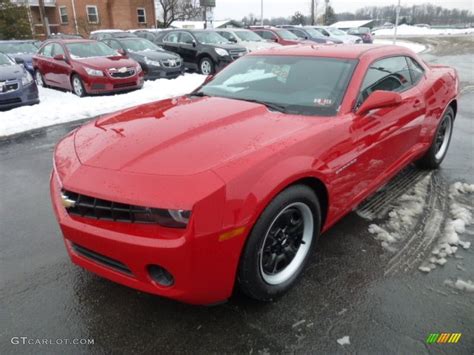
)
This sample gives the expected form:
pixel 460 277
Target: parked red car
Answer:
pixel 234 183
pixel 279 35
pixel 85 67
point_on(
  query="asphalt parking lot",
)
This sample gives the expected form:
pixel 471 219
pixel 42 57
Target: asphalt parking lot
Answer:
pixel 346 291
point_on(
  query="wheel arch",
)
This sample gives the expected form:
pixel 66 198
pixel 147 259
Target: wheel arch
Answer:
pixel 454 105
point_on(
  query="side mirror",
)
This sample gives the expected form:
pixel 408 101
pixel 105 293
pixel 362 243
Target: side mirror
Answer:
pixel 379 99
pixel 121 51
pixel 59 57
pixel 19 61
pixel 194 43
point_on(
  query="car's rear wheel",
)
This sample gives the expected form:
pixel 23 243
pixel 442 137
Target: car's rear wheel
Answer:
pixel 39 79
pixel 280 244
pixel 435 155
pixel 77 86
pixel 206 66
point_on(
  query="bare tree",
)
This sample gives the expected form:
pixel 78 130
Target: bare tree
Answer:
pixel 172 10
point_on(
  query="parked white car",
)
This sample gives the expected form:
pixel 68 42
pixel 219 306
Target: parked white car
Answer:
pixel 245 38
pixel 339 34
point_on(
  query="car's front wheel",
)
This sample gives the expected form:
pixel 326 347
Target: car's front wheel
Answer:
pixel 206 66
pixel 435 155
pixel 77 86
pixel 280 244
pixel 39 79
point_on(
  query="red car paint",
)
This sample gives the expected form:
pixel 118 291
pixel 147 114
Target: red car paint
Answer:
pixel 58 72
pixel 274 35
pixel 226 160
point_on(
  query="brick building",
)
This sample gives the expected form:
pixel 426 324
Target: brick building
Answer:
pixel 84 16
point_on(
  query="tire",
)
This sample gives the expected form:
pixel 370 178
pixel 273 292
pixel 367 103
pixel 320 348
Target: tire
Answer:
pixel 441 140
pixel 39 79
pixel 261 278
pixel 206 66
pixel 77 86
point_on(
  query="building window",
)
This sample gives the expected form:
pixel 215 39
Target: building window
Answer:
pixel 141 13
pixel 92 14
pixel 63 14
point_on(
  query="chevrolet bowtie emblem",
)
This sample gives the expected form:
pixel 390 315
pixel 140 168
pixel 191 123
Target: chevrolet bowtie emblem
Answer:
pixel 67 202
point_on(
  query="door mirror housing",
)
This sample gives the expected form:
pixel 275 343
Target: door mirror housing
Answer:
pixel 121 51
pixel 194 43
pixel 379 99
pixel 19 60
pixel 59 57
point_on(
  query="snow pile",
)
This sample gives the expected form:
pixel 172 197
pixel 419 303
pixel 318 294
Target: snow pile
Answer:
pixel 345 340
pixel 403 217
pixel 460 217
pixel 415 47
pixel 407 30
pixel 59 106
pixel 461 285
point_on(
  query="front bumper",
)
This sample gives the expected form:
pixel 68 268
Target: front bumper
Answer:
pixel 203 267
pixel 106 84
pixel 153 72
pixel 25 95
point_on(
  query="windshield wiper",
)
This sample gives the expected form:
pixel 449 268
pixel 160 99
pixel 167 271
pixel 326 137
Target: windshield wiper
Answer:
pixel 197 94
pixel 270 105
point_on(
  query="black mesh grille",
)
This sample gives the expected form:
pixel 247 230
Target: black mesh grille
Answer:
pixel 126 74
pixel 86 206
pixel 102 259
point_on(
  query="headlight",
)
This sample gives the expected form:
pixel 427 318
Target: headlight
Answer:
pixel 180 216
pixel 94 72
pixel 222 52
pixel 163 217
pixel 27 79
pixel 152 62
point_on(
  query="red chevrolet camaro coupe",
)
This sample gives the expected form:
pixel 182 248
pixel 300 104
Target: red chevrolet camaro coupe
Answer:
pixel 233 184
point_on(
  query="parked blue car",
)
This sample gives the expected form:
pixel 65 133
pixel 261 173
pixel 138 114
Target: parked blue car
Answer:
pixel 22 51
pixel 17 87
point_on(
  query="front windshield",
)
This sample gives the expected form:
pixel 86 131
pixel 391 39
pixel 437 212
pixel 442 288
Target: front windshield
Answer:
pixel 139 45
pixel 285 34
pixel 4 60
pixel 208 37
pixel 335 31
pixel 299 85
pixel 249 36
pixel 18 48
pixel 90 49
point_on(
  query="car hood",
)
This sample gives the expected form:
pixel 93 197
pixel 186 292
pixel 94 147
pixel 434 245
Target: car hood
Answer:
pixel 102 63
pixel 154 55
pixel 11 72
pixel 183 136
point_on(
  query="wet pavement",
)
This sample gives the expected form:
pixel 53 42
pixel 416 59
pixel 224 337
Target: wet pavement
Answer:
pixel 346 290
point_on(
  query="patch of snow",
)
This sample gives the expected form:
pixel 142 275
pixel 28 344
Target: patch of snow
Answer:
pixel 460 217
pixel 402 217
pixel 407 30
pixel 461 285
pixel 345 340
pixel 60 107
pixel 415 47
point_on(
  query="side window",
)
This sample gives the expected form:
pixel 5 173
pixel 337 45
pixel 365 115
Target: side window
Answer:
pixel 390 74
pixel 47 51
pixel 298 33
pixel 114 44
pixel 186 38
pixel 416 70
pixel 229 36
pixel 57 49
pixel 268 35
pixel 171 38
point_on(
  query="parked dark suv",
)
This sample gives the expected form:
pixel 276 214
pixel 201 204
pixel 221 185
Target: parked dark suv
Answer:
pixel 156 63
pixel 202 50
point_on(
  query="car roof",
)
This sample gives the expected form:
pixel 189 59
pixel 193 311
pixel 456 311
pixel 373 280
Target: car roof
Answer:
pixel 343 51
pixel 70 40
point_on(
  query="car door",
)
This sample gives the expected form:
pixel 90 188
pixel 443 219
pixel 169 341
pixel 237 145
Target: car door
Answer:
pixel 60 69
pixel 44 64
pixel 386 137
pixel 170 42
pixel 188 48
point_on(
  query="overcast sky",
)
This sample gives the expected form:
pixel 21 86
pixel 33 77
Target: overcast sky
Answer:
pixel 236 9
